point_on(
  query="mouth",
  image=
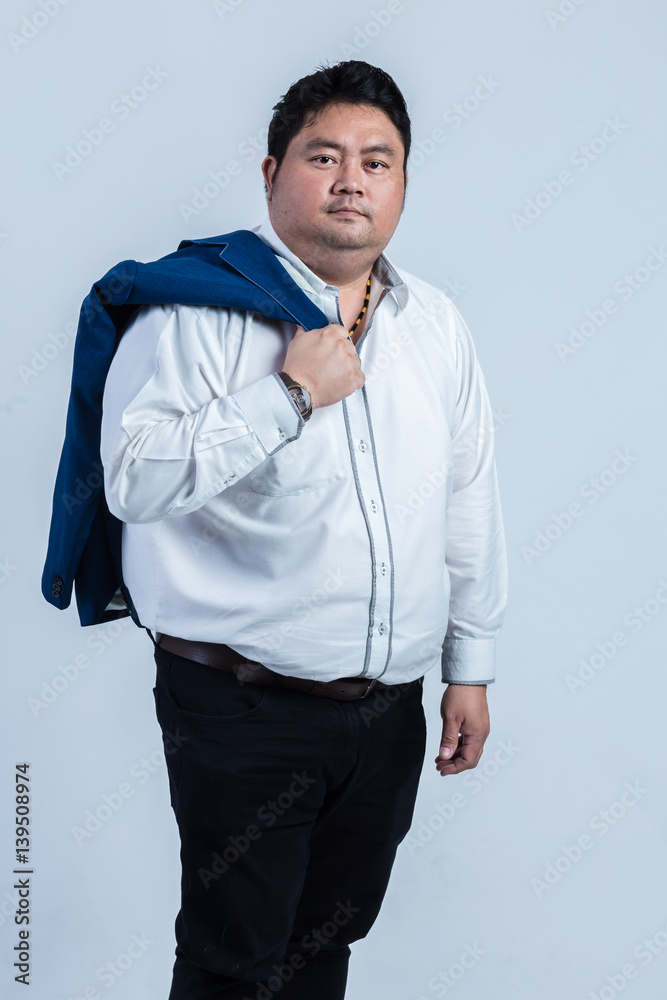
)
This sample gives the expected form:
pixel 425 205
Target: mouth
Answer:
pixel 346 210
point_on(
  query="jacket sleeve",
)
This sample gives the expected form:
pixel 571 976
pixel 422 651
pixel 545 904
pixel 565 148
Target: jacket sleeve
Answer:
pixel 475 543
pixel 171 436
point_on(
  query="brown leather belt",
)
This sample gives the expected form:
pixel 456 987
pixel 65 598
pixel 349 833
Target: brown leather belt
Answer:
pixel 222 657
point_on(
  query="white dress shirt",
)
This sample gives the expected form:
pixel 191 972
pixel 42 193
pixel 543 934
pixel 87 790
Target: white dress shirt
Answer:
pixel 365 542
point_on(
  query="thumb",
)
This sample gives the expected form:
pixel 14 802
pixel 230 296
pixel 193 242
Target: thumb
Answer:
pixel 449 741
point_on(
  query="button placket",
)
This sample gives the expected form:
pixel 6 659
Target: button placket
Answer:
pixel 369 486
pixel 370 499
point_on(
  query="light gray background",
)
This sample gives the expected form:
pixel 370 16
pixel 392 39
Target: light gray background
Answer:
pixel 469 880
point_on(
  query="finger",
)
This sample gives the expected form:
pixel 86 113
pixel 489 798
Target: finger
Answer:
pixel 466 756
pixel 450 740
pixel 453 766
pixel 468 747
pixel 452 755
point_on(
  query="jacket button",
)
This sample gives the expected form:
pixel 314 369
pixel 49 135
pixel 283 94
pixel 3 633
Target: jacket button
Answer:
pixel 56 593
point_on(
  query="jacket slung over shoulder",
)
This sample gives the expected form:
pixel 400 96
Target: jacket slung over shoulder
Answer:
pixel 236 270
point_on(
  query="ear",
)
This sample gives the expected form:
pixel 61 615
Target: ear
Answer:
pixel 269 165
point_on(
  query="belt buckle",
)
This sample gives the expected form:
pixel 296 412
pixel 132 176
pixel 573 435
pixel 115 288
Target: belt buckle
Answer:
pixel 373 681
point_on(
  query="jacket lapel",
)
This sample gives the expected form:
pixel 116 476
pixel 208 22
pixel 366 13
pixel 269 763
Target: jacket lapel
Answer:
pixel 251 257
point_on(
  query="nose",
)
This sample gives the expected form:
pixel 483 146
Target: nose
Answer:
pixel 349 178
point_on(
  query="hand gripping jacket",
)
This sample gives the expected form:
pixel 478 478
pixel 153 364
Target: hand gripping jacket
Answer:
pixel 237 270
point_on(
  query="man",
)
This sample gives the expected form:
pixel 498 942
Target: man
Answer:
pixel 310 523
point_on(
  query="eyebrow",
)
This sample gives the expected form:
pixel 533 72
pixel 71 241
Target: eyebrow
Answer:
pixel 319 143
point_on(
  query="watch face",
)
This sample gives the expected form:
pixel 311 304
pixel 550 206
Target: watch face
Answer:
pixel 305 396
pixel 301 397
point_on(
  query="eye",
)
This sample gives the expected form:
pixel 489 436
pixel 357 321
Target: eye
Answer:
pixel 371 163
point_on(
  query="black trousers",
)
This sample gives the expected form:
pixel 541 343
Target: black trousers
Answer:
pixel 290 809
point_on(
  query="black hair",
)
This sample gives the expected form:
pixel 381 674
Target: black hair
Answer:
pixel 349 82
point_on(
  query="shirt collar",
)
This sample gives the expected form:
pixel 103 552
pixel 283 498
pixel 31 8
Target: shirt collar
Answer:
pixel 313 285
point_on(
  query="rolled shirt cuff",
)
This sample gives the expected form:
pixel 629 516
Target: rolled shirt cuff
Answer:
pixel 468 661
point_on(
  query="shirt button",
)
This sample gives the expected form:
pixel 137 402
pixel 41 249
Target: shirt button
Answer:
pixel 383 569
pixel 362 446
pixel 382 628
pixel 374 506
pixel 281 434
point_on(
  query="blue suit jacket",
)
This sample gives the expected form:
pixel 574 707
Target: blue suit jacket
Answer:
pixel 237 270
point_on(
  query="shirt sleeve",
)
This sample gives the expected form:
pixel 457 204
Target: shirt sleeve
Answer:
pixel 475 545
pixel 172 437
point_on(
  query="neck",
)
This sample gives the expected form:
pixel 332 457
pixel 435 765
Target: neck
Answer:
pixel 350 277
pixel 346 268
pixel 347 271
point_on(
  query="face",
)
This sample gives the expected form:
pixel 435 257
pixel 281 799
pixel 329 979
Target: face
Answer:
pixel 340 186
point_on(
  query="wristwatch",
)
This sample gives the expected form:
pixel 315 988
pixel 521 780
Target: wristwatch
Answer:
pixel 300 394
